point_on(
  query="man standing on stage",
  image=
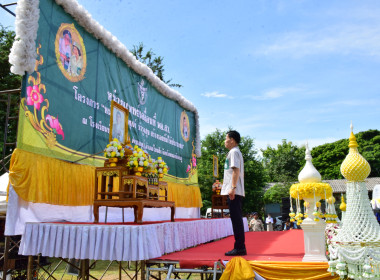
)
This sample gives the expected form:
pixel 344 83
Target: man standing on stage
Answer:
pixel 233 186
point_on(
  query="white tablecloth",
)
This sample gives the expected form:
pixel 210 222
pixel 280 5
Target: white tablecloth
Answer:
pixel 20 212
pixel 120 242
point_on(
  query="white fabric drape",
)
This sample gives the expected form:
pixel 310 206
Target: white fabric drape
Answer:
pixel 120 242
pixel 20 212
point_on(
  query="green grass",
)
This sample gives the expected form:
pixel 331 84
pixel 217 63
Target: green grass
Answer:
pixel 100 268
pixel 97 269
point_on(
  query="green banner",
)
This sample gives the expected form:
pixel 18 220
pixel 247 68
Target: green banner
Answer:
pixel 65 110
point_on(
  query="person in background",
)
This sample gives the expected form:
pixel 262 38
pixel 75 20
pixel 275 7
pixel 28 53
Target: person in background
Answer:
pixel 288 225
pixel 269 223
pixel 256 224
pixel 233 186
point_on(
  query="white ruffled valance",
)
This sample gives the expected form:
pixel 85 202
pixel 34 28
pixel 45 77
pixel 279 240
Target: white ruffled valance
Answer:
pixel 120 242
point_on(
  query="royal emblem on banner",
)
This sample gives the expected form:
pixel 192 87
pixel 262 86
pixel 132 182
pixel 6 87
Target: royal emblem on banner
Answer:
pixel 142 92
pixel 70 52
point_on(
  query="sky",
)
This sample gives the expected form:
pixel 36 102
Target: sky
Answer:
pixel 272 70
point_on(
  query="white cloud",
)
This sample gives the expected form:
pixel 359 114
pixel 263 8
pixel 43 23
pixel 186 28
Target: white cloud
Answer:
pixel 273 93
pixel 347 39
pixel 216 94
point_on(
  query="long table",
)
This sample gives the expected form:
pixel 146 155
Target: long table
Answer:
pixel 137 205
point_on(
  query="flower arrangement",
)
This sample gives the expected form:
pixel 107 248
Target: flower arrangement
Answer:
pixel 161 167
pixel 138 160
pixel 114 149
pixel 216 187
pixel 331 230
pixel 307 190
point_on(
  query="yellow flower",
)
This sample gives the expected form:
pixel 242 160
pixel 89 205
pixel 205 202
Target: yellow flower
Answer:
pixel 113 154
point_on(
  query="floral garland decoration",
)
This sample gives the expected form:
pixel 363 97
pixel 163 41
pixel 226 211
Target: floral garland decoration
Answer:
pixel 331 230
pixel 331 216
pixel 307 190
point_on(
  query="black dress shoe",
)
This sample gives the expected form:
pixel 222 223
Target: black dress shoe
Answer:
pixel 236 252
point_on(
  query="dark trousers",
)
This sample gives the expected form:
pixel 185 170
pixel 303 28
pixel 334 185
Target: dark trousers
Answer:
pixel 236 214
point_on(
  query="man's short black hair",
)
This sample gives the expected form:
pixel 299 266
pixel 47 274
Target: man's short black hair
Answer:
pixel 234 135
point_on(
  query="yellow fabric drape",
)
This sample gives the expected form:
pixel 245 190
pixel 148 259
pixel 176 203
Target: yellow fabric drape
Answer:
pixel 40 179
pixel 184 196
pixel 238 267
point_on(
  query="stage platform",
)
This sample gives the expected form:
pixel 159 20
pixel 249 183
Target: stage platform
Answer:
pixel 120 242
pixel 261 246
pixel 271 255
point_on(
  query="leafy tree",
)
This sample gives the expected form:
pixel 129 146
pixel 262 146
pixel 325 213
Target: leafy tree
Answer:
pixel 254 180
pixel 7 81
pixel 284 163
pixel 328 158
pixel 153 62
pixel 276 193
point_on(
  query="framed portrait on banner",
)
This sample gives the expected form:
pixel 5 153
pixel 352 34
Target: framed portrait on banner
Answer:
pixel 215 166
pixel 119 123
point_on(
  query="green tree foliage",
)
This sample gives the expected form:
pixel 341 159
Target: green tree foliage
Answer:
pixel 153 62
pixel 254 178
pixel 327 158
pixel 276 193
pixel 282 164
pixel 8 81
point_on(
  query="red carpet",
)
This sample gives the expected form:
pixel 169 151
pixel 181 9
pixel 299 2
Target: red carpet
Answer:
pixel 261 246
